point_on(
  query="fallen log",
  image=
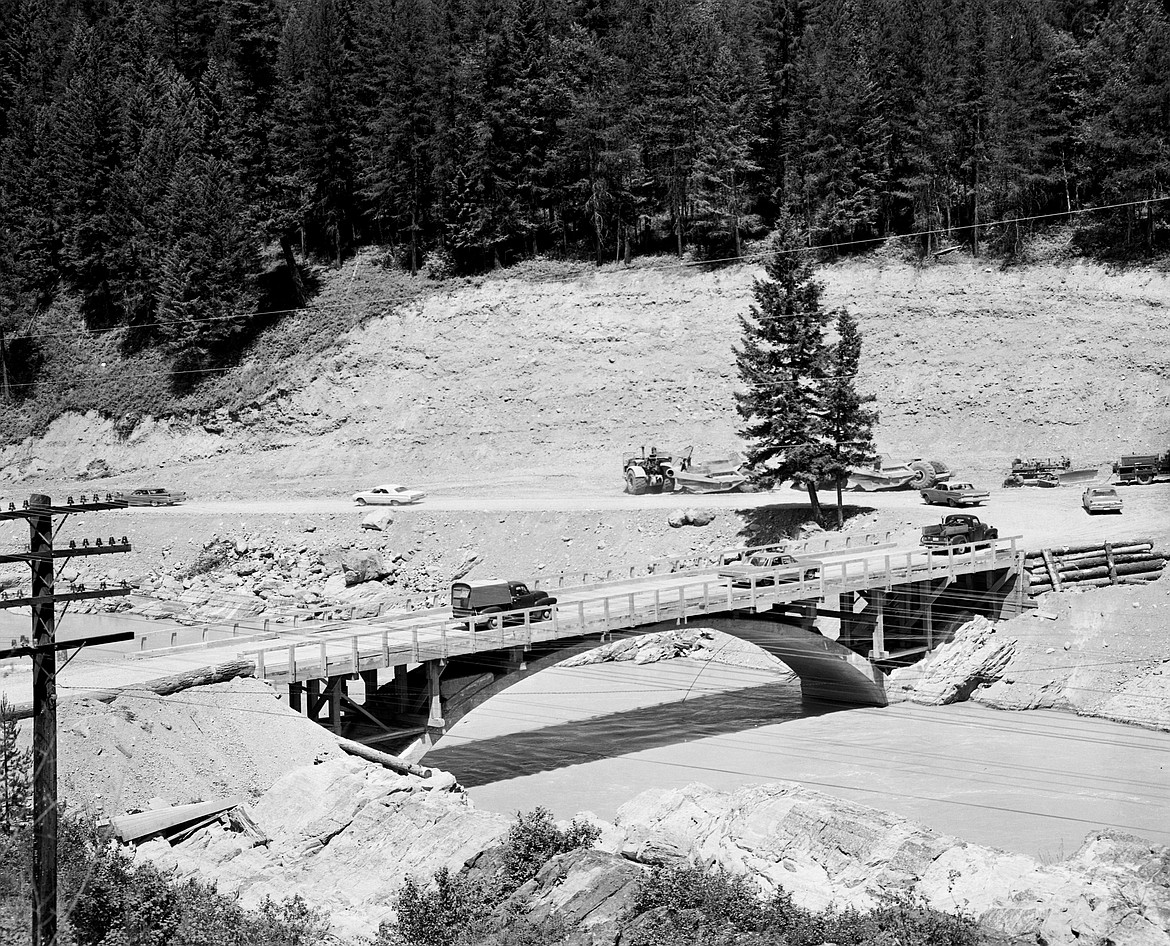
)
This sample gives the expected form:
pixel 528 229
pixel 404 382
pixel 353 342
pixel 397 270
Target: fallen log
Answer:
pixel 1134 568
pixel 1128 548
pixel 1039 589
pixel 161 686
pixel 1063 565
pixel 393 763
pixel 1076 549
pixel 1104 560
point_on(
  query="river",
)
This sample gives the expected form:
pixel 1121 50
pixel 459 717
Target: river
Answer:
pixel 590 738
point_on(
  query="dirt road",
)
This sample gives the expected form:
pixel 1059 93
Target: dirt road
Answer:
pixel 1039 516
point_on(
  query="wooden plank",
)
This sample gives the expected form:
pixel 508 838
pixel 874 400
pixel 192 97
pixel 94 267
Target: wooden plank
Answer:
pixel 146 824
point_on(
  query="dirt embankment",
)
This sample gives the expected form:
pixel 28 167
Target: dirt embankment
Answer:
pixel 526 381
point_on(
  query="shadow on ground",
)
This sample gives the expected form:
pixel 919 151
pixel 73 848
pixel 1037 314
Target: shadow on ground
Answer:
pixel 766 525
pixel 573 743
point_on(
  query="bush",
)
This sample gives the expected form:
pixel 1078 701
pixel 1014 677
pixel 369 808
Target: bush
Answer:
pixel 534 840
pixel 689 907
pixel 457 909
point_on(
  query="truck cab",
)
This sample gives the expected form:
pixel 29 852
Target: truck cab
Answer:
pixel 958 529
pixel 493 596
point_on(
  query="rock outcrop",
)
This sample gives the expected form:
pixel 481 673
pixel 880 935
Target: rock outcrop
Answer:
pixel 698 643
pixel 1115 889
pixel 975 657
pixel 1098 652
pixel 344 835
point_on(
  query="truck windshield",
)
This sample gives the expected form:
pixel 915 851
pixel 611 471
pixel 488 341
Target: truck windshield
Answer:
pixel 460 595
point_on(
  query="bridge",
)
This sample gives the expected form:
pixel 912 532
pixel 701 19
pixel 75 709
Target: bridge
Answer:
pixel 420 672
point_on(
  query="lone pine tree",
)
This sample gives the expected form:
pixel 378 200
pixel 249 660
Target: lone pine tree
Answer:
pixel 848 421
pixel 782 362
pixel 803 416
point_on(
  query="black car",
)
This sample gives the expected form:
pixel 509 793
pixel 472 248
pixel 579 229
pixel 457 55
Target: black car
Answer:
pixel 493 596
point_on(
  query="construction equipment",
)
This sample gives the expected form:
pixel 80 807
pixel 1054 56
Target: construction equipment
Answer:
pixel 913 474
pixel 650 472
pixel 1142 469
pixel 1047 472
pixel 711 476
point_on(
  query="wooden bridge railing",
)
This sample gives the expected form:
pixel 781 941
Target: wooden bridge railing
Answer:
pixel 690 596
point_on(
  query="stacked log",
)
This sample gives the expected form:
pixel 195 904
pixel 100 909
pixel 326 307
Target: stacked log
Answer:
pixel 1106 563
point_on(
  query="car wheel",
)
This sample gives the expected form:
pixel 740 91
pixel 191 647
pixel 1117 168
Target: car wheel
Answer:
pixel 154 502
pixel 360 501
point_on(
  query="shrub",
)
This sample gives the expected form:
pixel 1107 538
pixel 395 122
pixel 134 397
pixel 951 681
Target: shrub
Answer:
pixel 535 839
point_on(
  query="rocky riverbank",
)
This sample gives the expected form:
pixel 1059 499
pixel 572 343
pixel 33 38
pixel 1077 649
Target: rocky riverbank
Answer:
pixel 1098 652
pixel 345 835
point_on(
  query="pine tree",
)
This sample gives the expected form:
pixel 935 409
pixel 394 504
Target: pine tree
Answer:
pixel 205 277
pixel 1130 67
pixel 399 66
pixel 848 422
pixel 725 170
pixel 15 772
pixel 87 157
pixel 782 362
pixel 314 128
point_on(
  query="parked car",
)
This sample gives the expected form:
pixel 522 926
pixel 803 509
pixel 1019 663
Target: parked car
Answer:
pixel 955 494
pixel 388 494
pixel 958 529
pixel 151 497
pixel 771 567
pixel 493 596
pixel 1101 499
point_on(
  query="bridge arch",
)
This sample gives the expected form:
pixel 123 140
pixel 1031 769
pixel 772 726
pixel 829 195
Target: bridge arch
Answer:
pixel 828 671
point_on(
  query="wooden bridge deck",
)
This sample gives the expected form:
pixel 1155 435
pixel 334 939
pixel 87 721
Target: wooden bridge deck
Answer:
pixel 613 605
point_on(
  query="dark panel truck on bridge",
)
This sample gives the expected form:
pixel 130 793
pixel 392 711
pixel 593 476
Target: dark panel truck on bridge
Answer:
pixel 957 529
pixel 491 598
pixel 1142 468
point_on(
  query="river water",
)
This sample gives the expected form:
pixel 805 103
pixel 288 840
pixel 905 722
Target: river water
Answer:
pixel 590 738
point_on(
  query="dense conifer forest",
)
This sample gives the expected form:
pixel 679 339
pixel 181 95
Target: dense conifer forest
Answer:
pixel 159 158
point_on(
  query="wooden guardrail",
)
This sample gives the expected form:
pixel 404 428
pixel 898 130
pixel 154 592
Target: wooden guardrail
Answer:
pixel 670 598
pixel 822 542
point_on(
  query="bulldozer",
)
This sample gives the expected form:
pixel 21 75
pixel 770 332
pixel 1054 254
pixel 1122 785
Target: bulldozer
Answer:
pixel 652 472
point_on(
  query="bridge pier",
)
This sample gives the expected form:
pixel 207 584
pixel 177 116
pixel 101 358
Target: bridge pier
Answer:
pixel 877 650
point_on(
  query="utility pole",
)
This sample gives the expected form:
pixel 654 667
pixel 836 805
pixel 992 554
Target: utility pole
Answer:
pixel 39 511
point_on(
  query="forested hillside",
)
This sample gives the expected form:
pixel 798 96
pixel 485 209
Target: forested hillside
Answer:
pixel 172 164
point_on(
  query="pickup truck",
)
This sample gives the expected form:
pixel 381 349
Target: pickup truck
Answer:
pixel 955 494
pixel 770 567
pixel 958 529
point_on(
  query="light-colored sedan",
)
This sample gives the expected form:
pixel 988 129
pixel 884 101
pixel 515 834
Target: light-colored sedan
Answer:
pixel 388 494
pixel 769 567
pixel 1101 499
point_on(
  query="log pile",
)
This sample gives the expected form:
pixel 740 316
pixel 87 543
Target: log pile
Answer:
pixel 1086 566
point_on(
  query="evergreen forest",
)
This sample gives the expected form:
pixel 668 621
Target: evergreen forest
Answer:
pixel 163 161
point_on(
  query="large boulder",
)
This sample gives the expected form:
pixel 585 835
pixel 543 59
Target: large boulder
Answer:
pixel 691 517
pixel 360 567
pixel 378 520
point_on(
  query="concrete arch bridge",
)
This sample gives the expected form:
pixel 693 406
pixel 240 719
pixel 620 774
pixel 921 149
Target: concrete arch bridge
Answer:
pixel 400 682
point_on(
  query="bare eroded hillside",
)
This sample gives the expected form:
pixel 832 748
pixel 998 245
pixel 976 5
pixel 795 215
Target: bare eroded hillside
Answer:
pixel 546 382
